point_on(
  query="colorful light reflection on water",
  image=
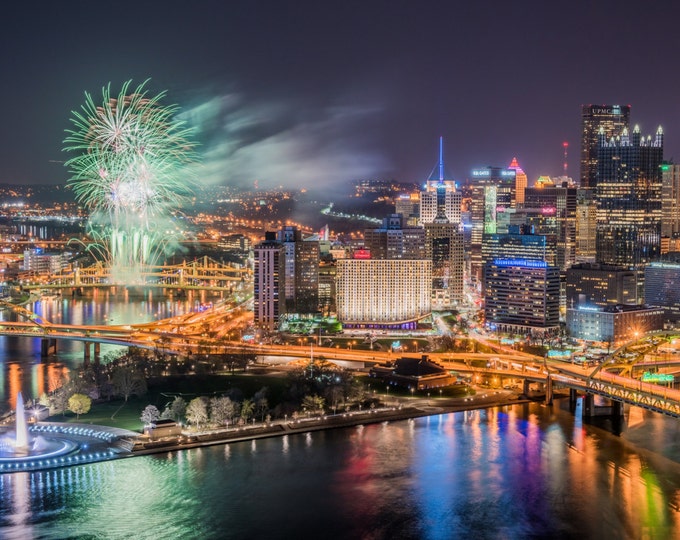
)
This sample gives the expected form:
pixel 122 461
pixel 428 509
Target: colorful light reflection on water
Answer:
pixel 518 472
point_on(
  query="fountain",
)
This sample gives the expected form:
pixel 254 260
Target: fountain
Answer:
pixel 46 445
pixel 23 449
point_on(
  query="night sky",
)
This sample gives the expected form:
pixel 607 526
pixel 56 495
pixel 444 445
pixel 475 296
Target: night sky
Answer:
pixel 316 93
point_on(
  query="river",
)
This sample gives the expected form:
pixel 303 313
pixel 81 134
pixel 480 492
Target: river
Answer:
pixel 516 472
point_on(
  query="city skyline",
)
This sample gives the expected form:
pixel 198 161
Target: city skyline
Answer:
pixel 307 94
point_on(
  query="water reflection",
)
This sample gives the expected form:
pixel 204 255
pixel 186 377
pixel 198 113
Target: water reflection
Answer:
pixel 515 472
pixel 23 369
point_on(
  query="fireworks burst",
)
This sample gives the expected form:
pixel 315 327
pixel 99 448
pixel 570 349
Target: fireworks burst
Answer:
pixel 130 173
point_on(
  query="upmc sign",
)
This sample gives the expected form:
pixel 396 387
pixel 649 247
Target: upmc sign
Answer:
pixel 614 109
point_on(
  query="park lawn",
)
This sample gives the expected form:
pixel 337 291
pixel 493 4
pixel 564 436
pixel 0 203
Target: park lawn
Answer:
pixel 125 415
pixel 162 390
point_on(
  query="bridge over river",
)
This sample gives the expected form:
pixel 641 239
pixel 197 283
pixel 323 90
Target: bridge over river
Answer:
pixel 211 331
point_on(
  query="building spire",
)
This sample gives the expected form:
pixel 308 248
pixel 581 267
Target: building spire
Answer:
pixel 441 158
pixel 439 173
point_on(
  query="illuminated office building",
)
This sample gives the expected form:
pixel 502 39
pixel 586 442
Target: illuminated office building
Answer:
pixel 521 181
pixel 440 188
pixel 586 226
pixel 444 247
pixel 302 271
pixel 600 285
pixel 519 243
pixel 491 191
pixel 628 194
pixel 611 119
pixel 670 203
pixel 555 206
pixel 408 205
pixel 521 296
pixel 613 324
pixel 393 240
pixel 662 288
pixel 269 282
pixel 389 293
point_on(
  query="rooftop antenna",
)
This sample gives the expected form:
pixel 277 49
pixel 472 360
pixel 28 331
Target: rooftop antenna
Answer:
pixel 441 159
pixel 565 145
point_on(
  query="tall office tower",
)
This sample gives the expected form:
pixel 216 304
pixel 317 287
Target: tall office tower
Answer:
pixel 556 206
pixel 628 193
pixel 520 181
pixel 444 247
pixel 670 203
pixel 612 119
pixel 389 293
pixel 393 241
pixel 586 226
pixel 302 271
pixel 327 292
pixel 662 288
pixel 408 205
pixel 521 296
pixel 269 282
pixel 491 191
pixel 600 285
pixel 440 184
pixel 307 276
pixel 288 237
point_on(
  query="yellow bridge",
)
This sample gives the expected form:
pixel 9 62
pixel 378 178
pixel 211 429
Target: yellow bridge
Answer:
pixel 203 273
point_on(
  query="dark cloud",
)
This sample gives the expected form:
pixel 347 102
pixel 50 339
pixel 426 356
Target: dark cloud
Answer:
pixel 307 91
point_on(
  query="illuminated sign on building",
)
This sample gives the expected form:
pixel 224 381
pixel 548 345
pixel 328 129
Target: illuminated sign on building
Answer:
pixel 526 263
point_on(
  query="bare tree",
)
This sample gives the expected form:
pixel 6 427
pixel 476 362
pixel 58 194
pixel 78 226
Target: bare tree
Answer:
pixel 127 381
pixel 222 409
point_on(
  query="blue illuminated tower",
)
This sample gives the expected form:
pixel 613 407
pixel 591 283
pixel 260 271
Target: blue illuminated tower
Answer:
pixel 440 188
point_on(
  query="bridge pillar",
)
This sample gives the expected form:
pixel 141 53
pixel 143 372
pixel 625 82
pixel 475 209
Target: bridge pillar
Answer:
pixel 97 351
pixel 548 390
pixel 525 386
pixel 573 396
pixel 589 405
pixel 86 356
pixel 48 347
pixel 617 408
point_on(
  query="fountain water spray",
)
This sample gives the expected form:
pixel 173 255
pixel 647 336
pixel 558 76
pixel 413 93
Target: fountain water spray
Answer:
pixel 21 437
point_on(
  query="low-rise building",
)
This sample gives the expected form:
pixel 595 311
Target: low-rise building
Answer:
pixel 613 324
pixel 413 373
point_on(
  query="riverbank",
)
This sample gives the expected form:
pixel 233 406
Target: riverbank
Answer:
pixel 401 411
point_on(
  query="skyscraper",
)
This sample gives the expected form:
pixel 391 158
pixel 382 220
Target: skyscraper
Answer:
pixel 491 192
pixel 444 247
pixel 586 226
pixel 270 277
pixel 670 206
pixel 556 206
pixel 521 296
pixel 440 188
pixel 610 118
pixel 394 241
pixel 521 181
pixel 628 193
pixel 302 271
